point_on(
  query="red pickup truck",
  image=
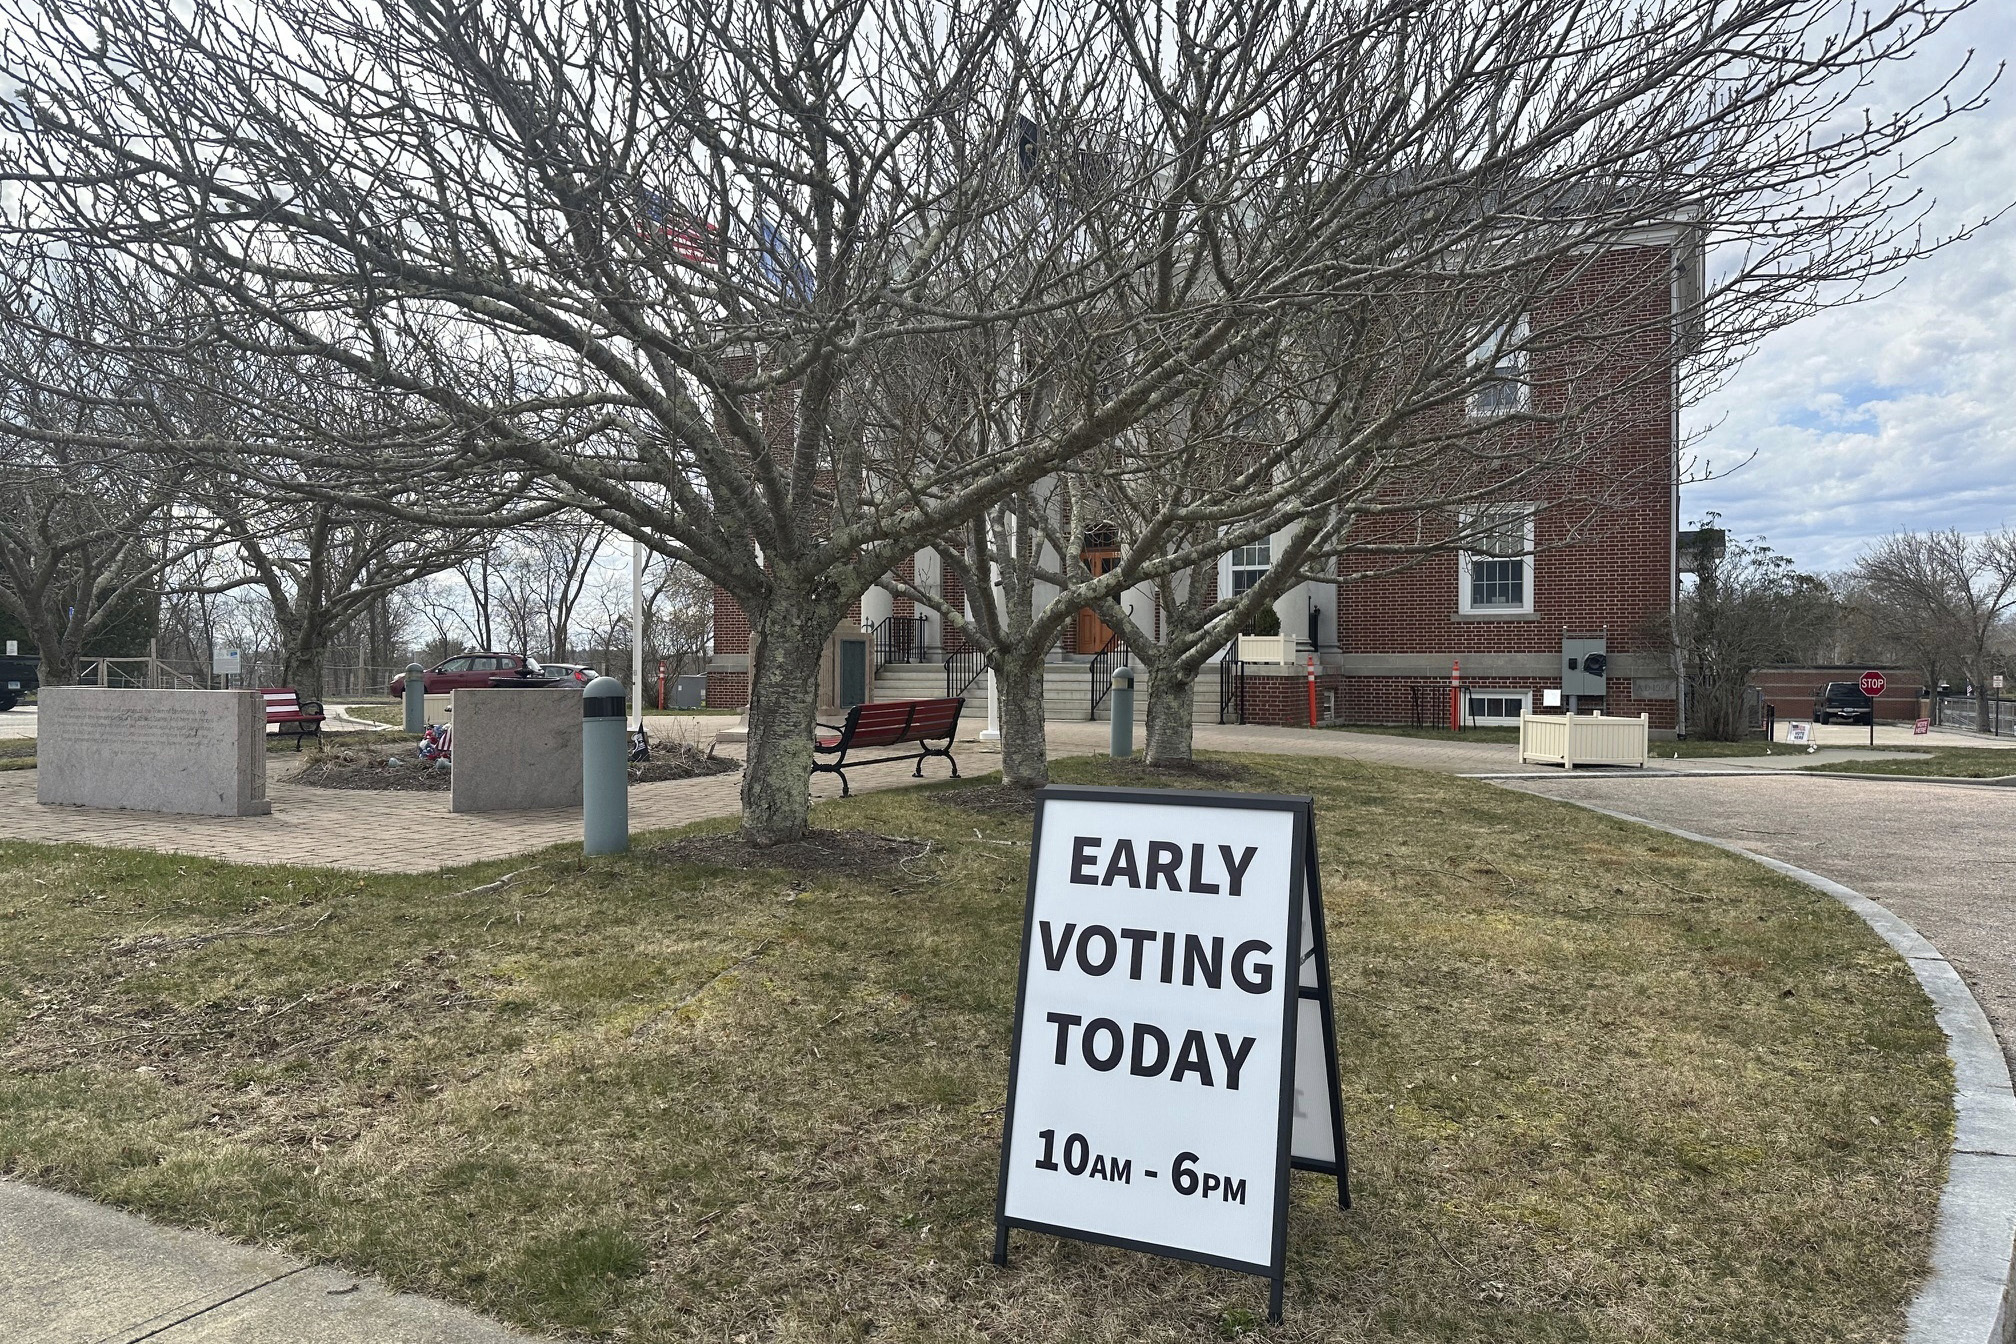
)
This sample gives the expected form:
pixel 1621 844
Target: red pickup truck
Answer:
pixel 474 669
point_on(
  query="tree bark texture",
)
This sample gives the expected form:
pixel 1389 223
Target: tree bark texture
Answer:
pixel 784 647
pixel 1172 693
pixel 1024 748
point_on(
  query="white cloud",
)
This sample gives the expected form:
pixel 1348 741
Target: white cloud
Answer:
pixel 1899 412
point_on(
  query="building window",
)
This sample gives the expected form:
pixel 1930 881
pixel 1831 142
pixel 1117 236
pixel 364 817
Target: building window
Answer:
pixel 1250 564
pixel 1495 708
pixel 1496 569
pixel 1499 357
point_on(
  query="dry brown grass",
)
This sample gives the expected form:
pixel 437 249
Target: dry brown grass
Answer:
pixel 1601 1084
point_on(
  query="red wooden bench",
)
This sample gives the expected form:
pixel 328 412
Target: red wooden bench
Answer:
pixel 295 717
pixel 891 723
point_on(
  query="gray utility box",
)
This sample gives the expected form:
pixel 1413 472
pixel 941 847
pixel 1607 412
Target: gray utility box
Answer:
pixel 1585 665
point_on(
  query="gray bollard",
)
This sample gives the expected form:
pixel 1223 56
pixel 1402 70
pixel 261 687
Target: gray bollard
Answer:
pixel 605 769
pixel 1123 712
pixel 416 698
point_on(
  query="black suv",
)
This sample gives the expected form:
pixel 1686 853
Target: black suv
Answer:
pixel 1842 702
pixel 17 679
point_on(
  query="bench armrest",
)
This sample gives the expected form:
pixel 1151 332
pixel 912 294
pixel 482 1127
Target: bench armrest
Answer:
pixel 311 706
pixel 830 727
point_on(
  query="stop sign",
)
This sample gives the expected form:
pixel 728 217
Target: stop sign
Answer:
pixel 1873 684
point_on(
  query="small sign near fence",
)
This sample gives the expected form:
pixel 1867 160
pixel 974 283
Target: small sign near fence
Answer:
pixel 1921 727
pixel 1175 1051
pixel 1799 733
pixel 227 663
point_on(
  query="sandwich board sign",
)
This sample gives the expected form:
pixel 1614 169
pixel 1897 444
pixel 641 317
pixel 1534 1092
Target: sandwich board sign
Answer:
pixel 1174 1051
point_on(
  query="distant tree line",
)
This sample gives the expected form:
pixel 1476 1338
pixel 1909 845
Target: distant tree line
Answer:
pixel 1942 604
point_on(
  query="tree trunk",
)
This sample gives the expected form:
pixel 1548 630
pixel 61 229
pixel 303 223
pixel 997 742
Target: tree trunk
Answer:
pixel 1172 701
pixel 58 661
pixel 784 647
pixel 303 653
pixel 1025 759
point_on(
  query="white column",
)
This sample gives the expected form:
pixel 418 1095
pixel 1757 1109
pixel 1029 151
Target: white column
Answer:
pixel 992 732
pixel 637 630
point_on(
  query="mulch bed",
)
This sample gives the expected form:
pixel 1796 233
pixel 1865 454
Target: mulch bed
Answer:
pixel 373 766
pixel 386 765
pixel 831 853
pixel 680 760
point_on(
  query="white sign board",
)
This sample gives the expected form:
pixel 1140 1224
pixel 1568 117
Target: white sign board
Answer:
pixel 230 662
pixel 1550 697
pixel 1799 732
pixel 1173 1042
pixel 13 648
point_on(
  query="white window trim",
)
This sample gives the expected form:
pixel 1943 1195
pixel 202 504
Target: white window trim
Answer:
pixel 1490 354
pixel 1525 699
pixel 1463 604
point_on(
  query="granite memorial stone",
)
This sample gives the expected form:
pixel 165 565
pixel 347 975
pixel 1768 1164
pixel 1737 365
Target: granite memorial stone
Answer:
pixel 200 752
pixel 516 750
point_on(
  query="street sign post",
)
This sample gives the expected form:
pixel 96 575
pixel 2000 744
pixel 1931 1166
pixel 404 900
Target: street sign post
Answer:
pixel 1173 1059
pixel 1872 686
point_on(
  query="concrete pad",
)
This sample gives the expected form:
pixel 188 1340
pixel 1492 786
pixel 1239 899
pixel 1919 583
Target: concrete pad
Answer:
pixel 73 1271
pixel 516 750
pixel 320 1305
pixel 192 752
pixel 18 722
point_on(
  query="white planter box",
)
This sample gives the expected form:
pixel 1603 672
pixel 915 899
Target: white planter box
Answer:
pixel 1265 649
pixel 1569 740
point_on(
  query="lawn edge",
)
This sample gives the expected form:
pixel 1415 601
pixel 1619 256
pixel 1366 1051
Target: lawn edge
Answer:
pixel 1966 1299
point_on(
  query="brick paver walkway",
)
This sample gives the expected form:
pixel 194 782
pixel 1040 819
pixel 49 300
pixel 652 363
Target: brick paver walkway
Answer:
pixel 392 832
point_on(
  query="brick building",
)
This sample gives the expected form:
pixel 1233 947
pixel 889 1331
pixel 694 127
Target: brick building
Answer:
pixel 1583 559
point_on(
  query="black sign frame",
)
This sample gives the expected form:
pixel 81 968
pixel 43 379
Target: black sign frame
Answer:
pixel 1305 890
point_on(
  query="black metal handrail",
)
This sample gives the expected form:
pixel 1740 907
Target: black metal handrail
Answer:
pixel 1231 688
pixel 901 639
pixel 1113 656
pixel 962 669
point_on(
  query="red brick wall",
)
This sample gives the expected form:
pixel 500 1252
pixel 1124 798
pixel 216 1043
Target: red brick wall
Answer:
pixel 1603 530
pixel 727 690
pixel 731 625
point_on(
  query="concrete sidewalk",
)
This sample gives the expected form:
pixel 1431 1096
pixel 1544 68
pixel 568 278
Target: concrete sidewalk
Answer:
pixel 75 1272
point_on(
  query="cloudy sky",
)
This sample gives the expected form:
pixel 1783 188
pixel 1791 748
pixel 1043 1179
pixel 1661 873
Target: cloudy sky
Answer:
pixel 1899 412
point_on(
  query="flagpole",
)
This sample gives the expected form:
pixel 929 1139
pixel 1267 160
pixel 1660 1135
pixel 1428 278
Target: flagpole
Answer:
pixel 637 629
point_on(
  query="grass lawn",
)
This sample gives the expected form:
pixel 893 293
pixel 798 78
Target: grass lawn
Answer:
pixel 392 715
pixel 1952 762
pixel 1600 1084
pixel 17 753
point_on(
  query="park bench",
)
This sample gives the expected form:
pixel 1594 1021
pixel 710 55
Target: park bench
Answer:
pixel 294 717
pixel 891 723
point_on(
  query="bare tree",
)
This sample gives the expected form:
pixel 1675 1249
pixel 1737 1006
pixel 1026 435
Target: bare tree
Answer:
pixel 1747 608
pixel 650 252
pixel 1946 596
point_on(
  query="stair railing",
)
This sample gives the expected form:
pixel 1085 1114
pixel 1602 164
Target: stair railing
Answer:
pixel 1104 663
pixel 1231 686
pixel 962 669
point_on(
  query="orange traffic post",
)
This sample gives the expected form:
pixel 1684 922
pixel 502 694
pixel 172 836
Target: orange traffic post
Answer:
pixel 1455 693
pixel 1312 690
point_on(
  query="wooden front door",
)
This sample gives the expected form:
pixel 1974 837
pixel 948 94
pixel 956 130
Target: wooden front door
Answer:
pixel 1094 634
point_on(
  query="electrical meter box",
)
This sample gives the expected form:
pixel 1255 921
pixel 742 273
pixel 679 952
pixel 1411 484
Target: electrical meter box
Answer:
pixel 1585 665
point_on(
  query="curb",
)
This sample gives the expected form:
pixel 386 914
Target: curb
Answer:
pixel 1752 772
pixel 343 713
pixel 1966 1299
